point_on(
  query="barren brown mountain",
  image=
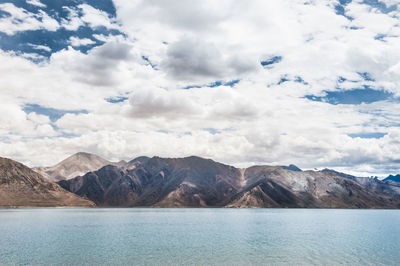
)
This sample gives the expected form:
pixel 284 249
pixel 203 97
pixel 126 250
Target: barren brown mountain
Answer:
pixel 198 182
pixel 186 182
pixel 274 186
pixel 22 187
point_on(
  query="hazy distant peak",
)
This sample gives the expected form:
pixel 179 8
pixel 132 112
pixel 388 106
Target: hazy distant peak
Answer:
pixel 83 156
pixel 82 153
pixel 81 159
pixel 292 167
pixel 77 164
pixel 394 178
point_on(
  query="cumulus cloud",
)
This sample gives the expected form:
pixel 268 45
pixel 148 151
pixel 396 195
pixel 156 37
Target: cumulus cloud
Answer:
pixel 39 119
pixel 188 80
pixel 161 103
pixel 95 17
pixel 196 59
pixel 84 14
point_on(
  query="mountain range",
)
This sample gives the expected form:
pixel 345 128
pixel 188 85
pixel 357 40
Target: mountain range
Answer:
pixel 392 178
pixel 198 182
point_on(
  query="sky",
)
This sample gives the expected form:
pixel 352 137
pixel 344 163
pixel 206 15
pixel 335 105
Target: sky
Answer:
pixel 312 83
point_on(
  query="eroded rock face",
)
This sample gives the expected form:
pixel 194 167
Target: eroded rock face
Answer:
pixel 280 187
pixel 198 182
pixel 190 181
pixel 22 187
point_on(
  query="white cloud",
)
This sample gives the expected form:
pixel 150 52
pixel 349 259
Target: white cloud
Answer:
pixel 85 14
pixel 73 20
pixel 36 3
pixel 96 18
pixel 170 45
pixel 76 42
pixel 39 119
pixel 196 59
pixel 22 20
pixel 15 123
pixel 40 47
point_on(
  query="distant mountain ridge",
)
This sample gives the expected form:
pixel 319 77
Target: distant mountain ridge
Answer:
pixel 197 182
pixel 394 178
pixel 22 187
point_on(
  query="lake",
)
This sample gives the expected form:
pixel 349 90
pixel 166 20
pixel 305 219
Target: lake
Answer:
pixel 199 237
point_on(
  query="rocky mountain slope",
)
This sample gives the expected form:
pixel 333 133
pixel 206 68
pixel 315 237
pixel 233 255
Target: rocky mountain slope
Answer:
pixel 268 186
pixel 22 187
pixel 75 165
pixel 198 182
pixel 191 181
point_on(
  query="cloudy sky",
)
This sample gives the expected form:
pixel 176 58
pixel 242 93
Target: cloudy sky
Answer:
pixel 314 83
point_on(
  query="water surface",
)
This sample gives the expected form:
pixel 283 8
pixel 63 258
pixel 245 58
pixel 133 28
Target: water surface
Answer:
pixel 199 237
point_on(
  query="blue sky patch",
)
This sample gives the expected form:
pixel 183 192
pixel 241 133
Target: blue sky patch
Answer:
pixel 354 96
pixel 283 80
pixel 212 131
pixel 68 135
pixel 366 76
pixel 340 9
pixel 164 131
pixel 56 9
pixel 53 114
pixel 371 135
pixel 117 99
pixel 147 60
pixel 192 87
pixel 217 83
pixel 4 14
pixel 296 79
pixel 270 61
pixel 380 37
pixel 31 41
pixel 300 80
pixel 380 6
pixel 230 83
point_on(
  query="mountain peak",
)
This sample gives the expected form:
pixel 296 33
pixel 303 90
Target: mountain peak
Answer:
pixel 84 156
pixel 75 165
pixel 292 167
pixel 82 153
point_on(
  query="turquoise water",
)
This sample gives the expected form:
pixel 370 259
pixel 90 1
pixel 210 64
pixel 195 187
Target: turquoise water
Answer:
pixel 199 237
